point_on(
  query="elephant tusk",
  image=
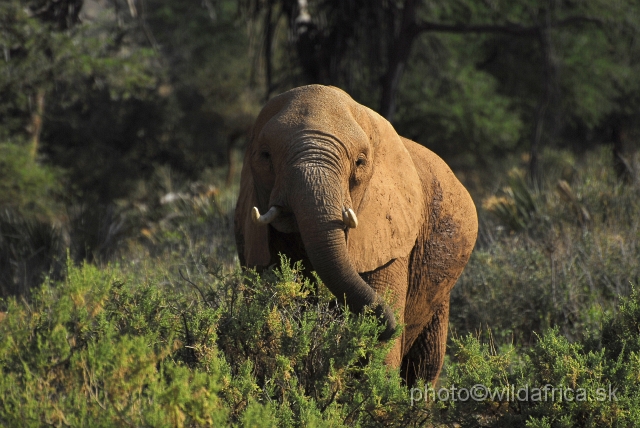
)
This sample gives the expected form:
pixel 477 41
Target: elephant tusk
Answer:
pixel 267 218
pixel 349 218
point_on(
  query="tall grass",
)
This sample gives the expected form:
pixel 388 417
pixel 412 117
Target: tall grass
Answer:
pixel 560 256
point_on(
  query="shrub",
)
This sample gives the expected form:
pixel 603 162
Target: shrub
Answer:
pixel 25 185
pixel 106 348
pixel 32 236
pixel 555 383
pixel 29 249
pixel 94 351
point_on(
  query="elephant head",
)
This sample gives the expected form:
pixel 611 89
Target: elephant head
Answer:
pixel 335 172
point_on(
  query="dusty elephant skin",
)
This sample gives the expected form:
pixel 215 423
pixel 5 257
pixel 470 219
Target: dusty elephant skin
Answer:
pixel 328 181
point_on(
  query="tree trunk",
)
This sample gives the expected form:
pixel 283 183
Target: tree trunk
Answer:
pixel 36 123
pixel 620 164
pixel 536 137
pixel 268 43
pixel 399 50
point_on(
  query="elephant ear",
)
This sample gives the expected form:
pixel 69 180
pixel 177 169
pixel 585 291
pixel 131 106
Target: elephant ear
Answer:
pixel 252 239
pixel 391 210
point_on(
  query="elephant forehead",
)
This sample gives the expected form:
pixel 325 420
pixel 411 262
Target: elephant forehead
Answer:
pixel 323 115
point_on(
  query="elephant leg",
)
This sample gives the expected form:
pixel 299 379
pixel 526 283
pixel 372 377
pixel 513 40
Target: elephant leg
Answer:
pixel 425 358
pixel 390 280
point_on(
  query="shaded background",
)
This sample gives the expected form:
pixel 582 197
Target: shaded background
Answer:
pixel 111 109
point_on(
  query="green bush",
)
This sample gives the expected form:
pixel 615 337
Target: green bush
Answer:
pixel 29 249
pixel 555 383
pixel 93 352
pixel 32 234
pixel 105 347
pixel 114 346
pixel 26 186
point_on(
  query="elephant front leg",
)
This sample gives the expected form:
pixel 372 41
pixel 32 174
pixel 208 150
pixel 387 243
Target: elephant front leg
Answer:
pixel 390 281
pixel 425 358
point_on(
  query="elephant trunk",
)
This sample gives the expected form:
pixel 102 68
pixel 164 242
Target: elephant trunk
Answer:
pixel 320 222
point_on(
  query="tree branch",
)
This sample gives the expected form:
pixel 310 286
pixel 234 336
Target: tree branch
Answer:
pixel 509 28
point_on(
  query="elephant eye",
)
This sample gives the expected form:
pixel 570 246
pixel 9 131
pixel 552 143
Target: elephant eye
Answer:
pixel 265 155
pixel 361 160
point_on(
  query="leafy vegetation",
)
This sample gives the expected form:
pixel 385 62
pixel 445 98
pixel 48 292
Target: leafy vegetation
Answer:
pixel 113 346
pixel 26 186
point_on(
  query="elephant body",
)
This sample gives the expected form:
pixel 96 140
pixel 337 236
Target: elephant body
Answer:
pixel 373 213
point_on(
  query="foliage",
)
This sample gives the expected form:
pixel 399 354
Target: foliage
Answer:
pixel 90 112
pixel 451 107
pixel 88 84
pixel 105 347
pixel 518 208
pixel 473 79
pixel 27 186
pixel 29 249
pixel 114 105
pixel 91 351
pixel 32 235
pixel 554 383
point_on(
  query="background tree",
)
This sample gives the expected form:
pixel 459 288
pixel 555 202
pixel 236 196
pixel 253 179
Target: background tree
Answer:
pixel 367 47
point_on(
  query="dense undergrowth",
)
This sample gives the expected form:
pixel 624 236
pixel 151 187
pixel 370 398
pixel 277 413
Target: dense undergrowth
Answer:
pixel 115 347
pixel 544 324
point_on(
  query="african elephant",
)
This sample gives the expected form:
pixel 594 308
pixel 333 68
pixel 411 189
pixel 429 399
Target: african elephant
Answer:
pixel 371 212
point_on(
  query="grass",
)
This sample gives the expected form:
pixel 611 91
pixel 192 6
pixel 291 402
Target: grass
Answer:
pixel 547 266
